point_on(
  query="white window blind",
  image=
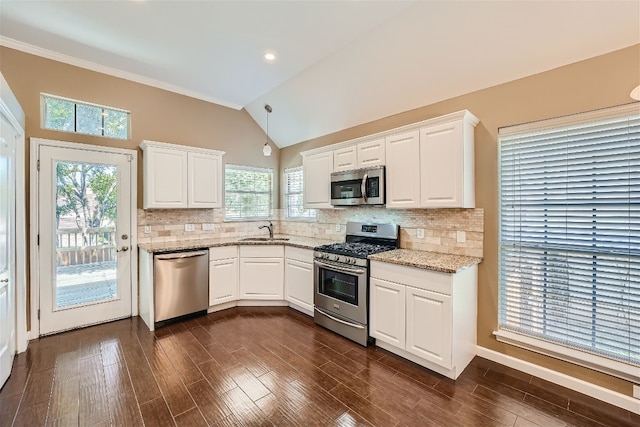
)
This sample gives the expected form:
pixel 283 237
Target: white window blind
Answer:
pixel 247 192
pixel 569 265
pixel 293 195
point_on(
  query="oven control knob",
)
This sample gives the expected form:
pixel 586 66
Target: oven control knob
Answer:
pixel 336 257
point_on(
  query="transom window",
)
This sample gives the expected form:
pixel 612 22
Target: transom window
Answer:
pixel 569 265
pixel 69 115
pixel 293 193
pixel 248 192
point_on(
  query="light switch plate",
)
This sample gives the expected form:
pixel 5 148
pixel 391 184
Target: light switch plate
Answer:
pixel 147 229
pixel 461 236
pixel 636 391
pixel 189 227
pixel 420 233
pixel 207 227
pixel 338 227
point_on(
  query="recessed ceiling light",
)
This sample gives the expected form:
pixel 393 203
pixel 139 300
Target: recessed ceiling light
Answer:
pixel 269 56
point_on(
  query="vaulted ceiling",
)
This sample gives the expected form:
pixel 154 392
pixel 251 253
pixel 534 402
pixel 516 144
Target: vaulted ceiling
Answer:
pixel 338 63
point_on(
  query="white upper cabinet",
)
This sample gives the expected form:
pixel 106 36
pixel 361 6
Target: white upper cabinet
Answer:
pixel 446 166
pixel 317 169
pixel 403 170
pixel 165 178
pixel 345 159
pixel 177 176
pixel 429 164
pixel 204 180
pixel 371 153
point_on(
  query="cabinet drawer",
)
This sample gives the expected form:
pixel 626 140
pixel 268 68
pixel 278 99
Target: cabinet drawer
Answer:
pixel 417 277
pixel 299 254
pixel 265 251
pixel 223 252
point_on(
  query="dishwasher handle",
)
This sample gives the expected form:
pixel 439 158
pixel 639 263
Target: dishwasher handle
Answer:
pixel 181 255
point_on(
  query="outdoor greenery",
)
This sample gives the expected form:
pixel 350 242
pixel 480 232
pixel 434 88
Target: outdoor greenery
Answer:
pixel 70 116
pixel 87 191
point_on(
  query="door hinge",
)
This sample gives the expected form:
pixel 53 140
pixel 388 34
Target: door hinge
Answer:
pixel 38 240
pixel 129 157
pixel 38 314
pixel 38 165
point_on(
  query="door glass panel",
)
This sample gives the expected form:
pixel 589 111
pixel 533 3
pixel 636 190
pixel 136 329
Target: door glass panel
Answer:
pixel 85 234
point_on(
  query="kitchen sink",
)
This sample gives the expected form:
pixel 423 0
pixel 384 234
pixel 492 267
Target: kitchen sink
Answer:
pixel 264 239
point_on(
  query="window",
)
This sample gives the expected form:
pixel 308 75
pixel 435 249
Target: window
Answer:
pixel 569 265
pixel 293 187
pixel 68 115
pixel 247 192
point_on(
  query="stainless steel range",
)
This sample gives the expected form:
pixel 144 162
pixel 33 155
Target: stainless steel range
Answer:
pixel 341 278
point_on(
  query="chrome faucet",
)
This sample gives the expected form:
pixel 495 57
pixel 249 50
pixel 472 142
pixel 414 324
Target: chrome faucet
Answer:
pixel 269 227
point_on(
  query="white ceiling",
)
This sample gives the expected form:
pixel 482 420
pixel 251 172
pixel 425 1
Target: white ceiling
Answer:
pixel 340 63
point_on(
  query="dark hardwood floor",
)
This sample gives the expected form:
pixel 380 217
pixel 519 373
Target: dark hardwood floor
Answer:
pixel 267 366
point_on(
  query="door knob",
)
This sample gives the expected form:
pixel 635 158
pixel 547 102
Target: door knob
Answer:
pixel 123 249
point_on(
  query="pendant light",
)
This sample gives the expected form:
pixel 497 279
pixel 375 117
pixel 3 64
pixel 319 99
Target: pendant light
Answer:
pixel 266 150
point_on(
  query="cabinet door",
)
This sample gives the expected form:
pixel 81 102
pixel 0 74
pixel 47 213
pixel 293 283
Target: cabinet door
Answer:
pixel 223 280
pixel 371 153
pixel 387 312
pixel 262 278
pixel 205 180
pixel 317 170
pixel 403 170
pixel 345 159
pixel 165 178
pixel 441 160
pixel 429 326
pixel 298 283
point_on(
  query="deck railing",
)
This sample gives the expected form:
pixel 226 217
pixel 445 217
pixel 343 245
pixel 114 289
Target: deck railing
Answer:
pixel 85 245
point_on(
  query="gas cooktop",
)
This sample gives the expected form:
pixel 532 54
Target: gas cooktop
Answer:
pixel 354 249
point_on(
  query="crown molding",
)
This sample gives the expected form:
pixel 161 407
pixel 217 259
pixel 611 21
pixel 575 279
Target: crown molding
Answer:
pixel 77 62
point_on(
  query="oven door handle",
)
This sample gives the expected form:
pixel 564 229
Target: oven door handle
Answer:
pixel 353 325
pixel 340 269
pixel 363 187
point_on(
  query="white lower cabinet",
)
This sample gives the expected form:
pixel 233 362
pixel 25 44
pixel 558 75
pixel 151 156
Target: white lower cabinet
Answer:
pixel 387 308
pixel 262 272
pixel 425 316
pixel 223 274
pixel 428 333
pixel 298 278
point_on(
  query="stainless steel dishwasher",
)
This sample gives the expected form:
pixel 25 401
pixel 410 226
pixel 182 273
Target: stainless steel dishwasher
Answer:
pixel 181 282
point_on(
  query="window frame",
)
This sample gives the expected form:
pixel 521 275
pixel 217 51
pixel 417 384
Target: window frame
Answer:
pixel 43 116
pixel 603 363
pixel 270 171
pixel 312 213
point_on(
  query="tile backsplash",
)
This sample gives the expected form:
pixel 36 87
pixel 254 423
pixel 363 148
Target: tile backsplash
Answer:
pixel 453 231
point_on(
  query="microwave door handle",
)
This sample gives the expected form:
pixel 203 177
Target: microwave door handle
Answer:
pixel 363 187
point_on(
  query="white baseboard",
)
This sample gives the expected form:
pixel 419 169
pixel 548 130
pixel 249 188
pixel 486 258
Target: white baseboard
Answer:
pixel 593 390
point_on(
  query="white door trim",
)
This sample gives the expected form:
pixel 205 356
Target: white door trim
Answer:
pixel 36 143
pixel 22 335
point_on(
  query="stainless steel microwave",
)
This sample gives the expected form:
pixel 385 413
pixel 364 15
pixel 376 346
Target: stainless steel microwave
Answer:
pixel 358 187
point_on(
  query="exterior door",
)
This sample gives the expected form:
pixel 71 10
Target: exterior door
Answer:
pixel 7 248
pixel 85 237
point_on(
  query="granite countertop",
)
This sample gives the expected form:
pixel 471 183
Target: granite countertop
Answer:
pixel 435 261
pixel 180 245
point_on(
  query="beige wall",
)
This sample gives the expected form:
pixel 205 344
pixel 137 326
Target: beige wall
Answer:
pixel 156 114
pixel 599 82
